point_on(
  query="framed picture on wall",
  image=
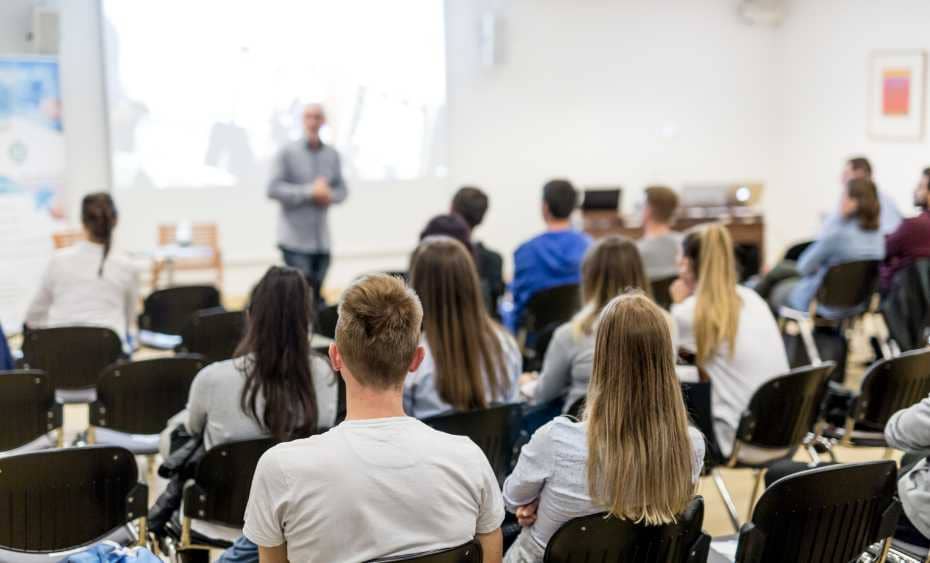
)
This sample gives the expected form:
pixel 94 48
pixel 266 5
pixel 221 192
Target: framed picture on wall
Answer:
pixel 897 81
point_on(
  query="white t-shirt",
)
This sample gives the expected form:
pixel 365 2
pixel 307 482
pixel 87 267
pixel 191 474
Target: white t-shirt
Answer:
pixel 758 356
pixel 369 489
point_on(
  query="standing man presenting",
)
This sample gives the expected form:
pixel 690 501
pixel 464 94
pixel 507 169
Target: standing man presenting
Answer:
pixel 306 180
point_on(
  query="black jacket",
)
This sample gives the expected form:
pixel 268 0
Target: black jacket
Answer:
pixel 906 306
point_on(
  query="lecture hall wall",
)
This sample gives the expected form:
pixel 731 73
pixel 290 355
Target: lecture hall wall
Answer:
pixel 602 92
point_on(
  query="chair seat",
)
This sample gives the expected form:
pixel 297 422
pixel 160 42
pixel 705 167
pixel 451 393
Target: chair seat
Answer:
pixel 723 549
pixel 139 444
pixel 158 340
pixel 75 396
pixel 43 442
pixel 123 536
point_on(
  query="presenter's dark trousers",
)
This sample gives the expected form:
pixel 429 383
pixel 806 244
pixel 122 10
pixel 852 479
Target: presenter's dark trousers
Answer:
pixel 314 266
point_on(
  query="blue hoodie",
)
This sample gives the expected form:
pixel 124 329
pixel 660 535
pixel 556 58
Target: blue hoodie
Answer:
pixel 549 260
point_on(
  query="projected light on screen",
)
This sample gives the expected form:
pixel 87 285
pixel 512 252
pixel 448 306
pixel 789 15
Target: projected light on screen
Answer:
pixel 202 94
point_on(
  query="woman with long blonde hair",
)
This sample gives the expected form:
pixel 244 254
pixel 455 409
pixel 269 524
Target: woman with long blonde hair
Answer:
pixel 728 328
pixel 611 267
pixel 471 362
pixel 633 455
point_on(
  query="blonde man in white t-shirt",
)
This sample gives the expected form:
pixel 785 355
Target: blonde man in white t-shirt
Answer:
pixel 381 484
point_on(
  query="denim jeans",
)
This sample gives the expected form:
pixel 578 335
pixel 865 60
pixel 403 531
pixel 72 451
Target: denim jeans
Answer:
pixel 313 265
pixel 241 551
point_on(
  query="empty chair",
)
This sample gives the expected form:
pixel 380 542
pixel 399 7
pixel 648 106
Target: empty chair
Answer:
pixel 136 399
pixel 466 553
pixel 660 291
pixel 849 287
pixel 494 430
pixel 213 333
pixel 779 418
pixel 30 418
pixel 825 515
pixel 63 499
pixel 326 320
pixel 167 311
pixel 887 387
pixel 220 491
pixel 72 357
pixel 601 537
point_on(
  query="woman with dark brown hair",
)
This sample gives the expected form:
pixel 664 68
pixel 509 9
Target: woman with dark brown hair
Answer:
pixel 471 362
pixel 86 283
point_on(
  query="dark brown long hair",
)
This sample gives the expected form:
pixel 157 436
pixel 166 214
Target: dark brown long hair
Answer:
pixel 275 353
pixel 462 337
pixel 868 207
pixel 98 215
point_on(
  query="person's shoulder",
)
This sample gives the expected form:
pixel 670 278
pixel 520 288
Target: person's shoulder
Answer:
pixel 528 246
pixel 751 298
pixel 220 373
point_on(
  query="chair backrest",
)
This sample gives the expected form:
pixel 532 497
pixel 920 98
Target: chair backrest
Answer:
pixel 601 537
pixel 849 285
pixel 139 397
pixel 71 356
pixel 168 310
pixel 784 409
pixel 795 251
pixel 906 306
pixel 326 321
pixel 68 237
pixel 697 397
pixel 467 553
pixel 202 234
pixel 213 333
pixel 62 499
pixel 554 305
pixel 891 385
pixel 661 291
pixel 222 482
pixel 825 515
pixel 495 430
pixel 27 407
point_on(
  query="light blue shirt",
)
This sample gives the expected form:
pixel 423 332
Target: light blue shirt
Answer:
pixel 421 394
pixel 839 242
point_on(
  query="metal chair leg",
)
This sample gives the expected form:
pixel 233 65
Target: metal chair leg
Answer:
pixel 759 474
pixel 807 336
pixel 727 499
pixel 886 546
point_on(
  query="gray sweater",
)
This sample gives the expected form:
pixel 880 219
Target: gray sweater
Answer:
pixel 302 224
pixel 909 430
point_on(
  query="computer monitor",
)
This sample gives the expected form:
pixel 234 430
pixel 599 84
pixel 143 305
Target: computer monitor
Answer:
pixel 602 199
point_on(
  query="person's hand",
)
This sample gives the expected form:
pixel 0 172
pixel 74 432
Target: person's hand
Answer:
pixel 320 192
pixel 526 514
pixel 527 377
pixel 679 291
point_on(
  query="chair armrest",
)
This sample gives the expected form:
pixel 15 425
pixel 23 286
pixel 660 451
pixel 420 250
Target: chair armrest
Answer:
pixel 793 314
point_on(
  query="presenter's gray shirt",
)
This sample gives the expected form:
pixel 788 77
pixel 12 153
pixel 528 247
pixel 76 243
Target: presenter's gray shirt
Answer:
pixel 302 224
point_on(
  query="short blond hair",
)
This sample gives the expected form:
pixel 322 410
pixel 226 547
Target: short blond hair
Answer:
pixel 379 330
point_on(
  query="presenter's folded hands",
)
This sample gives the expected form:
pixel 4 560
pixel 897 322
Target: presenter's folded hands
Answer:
pixel 320 192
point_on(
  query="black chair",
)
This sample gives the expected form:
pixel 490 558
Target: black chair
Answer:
pixel 848 286
pixel 795 251
pixel 781 416
pixel 545 311
pixel 824 515
pixel 136 399
pixel 166 311
pixel 72 357
pixel 64 499
pixel 887 387
pixel 213 333
pixel 220 490
pixel 576 409
pixel 495 430
pixel 28 410
pixel 906 307
pixel 661 291
pixel 601 537
pixel 326 321
pixel 467 553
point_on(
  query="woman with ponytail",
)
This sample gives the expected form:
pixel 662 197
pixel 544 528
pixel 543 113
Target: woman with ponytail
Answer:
pixel 729 329
pixel 86 283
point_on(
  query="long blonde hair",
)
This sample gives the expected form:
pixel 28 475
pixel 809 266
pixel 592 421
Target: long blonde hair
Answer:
pixel 639 453
pixel 610 267
pixel 462 337
pixel 718 305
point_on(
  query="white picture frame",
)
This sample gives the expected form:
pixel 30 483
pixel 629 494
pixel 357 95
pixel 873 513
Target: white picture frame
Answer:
pixel 897 95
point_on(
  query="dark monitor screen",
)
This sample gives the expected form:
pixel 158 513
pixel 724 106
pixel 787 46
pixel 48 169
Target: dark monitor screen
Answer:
pixel 601 199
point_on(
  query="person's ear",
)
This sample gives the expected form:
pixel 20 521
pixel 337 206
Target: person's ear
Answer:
pixel 417 359
pixel 335 358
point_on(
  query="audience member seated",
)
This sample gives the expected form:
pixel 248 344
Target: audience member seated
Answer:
pixel 380 484
pixel 909 430
pixel 611 267
pixel 632 455
pixel 449 225
pixel 470 203
pixel 85 283
pixel 860 168
pixel 470 362
pixel 6 357
pixel 854 238
pixel 660 245
pixel 728 328
pixel 552 258
pixel 911 240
